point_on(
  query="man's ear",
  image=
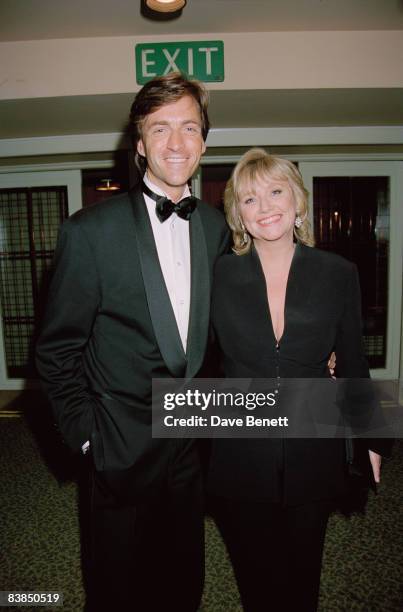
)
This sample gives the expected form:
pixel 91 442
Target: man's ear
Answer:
pixel 140 148
pixel 204 147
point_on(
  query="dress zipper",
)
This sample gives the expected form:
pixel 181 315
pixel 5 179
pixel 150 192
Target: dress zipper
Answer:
pixel 277 366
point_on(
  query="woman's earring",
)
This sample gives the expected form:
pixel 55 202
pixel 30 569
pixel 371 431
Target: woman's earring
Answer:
pixel 298 222
pixel 245 235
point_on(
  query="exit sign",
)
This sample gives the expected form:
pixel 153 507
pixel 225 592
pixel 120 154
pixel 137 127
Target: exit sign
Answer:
pixel 202 60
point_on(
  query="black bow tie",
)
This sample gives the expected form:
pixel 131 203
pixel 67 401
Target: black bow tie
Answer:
pixel 165 207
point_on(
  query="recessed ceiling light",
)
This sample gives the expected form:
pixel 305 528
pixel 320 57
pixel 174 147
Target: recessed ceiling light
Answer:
pixel 165 6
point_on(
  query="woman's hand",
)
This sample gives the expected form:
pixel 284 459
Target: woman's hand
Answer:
pixel 376 461
pixel 331 364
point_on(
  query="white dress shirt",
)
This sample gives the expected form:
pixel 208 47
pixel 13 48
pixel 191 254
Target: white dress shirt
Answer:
pixel 173 247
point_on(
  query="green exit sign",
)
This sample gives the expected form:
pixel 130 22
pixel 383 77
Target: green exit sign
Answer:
pixel 202 60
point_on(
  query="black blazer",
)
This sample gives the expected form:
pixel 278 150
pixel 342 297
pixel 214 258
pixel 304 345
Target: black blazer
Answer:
pixel 109 328
pixel 322 314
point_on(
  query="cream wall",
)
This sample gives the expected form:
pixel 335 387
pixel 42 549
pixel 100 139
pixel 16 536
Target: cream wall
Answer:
pixel 273 60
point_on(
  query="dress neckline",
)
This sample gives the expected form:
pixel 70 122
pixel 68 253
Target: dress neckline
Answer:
pixel 291 273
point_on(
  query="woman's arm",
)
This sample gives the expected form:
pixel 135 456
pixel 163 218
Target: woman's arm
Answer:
pixel 351 361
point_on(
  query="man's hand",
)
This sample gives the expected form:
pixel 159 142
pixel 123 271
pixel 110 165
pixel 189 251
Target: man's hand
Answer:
pixel 376 461
pixel 331 364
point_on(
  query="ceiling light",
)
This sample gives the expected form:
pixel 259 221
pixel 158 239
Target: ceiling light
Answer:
pixel 107 185
pixel 165 6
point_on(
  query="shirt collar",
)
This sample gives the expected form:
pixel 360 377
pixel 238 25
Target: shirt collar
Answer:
pixel 159 191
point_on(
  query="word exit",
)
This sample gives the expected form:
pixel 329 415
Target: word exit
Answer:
pixel 202 60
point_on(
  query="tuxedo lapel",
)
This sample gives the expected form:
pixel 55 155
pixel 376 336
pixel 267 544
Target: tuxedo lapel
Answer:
pixel 199 297
pixel 159 304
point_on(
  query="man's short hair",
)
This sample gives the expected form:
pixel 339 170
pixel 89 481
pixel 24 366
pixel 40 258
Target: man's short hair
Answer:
pixel 159 92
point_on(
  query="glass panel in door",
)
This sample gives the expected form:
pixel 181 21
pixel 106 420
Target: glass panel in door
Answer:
pixel 352 218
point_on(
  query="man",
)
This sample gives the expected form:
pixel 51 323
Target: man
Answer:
pixel 129 301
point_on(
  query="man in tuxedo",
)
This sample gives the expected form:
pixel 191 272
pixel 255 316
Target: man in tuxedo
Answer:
pixel 128 302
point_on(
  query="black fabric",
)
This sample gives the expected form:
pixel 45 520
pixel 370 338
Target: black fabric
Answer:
pixel 165 207
pixel 150 555
pixel 322 314
pixel 276 552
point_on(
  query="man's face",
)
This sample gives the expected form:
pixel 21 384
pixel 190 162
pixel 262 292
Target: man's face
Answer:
pixel 172 143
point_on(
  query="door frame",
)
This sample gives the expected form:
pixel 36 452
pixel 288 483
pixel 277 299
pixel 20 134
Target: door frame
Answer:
pixel 394 170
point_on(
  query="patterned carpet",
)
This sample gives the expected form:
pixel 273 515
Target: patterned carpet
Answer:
pixel 40 542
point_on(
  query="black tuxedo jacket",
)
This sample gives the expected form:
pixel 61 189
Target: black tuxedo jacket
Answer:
pixel 322 314
pixel 109 328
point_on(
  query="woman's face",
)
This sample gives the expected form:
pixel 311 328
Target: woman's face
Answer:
pixel 268 210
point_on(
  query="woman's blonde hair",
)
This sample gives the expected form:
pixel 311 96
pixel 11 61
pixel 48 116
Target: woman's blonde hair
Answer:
pixel 255 165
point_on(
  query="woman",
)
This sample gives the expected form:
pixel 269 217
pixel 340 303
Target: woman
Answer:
pixel 279 309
